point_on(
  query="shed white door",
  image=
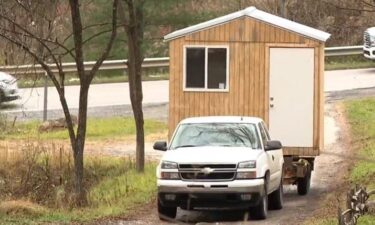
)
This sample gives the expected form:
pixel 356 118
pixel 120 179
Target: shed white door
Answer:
pixel 292 96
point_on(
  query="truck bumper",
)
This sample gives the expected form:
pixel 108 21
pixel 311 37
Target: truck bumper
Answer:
pixel 237 194
pixel 369 52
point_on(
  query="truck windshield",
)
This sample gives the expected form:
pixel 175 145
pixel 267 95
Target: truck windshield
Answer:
pixel 218 134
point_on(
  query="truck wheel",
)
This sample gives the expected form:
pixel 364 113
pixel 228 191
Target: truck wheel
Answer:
pixel 276 199
pixel 303 184
pixel 166 213
pixel 260 211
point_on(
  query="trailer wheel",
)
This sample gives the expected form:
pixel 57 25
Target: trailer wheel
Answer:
pixel 303 184
pixel 166 213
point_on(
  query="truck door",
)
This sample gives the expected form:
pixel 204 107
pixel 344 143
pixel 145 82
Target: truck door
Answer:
pixel 272 160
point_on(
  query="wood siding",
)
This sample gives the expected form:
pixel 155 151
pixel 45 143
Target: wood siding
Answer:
pixel 249 41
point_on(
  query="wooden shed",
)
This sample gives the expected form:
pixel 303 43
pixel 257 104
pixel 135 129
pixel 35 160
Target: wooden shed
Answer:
pixel 252 63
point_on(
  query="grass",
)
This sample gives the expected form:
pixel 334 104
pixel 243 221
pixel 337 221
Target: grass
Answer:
pixel 36 180
pixel 348 62
pixel 364 220
pixel 119 190
pixel 97 129
pixel 361 117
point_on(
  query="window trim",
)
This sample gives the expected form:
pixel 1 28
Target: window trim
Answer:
pixel 205 89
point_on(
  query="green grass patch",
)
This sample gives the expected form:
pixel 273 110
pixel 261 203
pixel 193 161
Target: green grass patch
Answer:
pixel 361 115
pixel 114 189
pixel 348 62
pixel 97 129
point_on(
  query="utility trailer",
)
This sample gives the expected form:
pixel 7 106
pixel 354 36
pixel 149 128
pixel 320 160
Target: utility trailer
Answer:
pixel 252 63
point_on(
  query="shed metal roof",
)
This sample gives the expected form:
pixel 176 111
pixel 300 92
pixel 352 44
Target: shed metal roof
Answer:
pixel 257 14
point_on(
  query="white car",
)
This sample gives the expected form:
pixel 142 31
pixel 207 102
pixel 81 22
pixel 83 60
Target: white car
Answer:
pixel 8 88
pixel 220 162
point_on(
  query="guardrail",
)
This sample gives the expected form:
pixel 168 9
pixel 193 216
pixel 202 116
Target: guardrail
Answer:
pixel 147 63
pixel 71 66
pixel 346 50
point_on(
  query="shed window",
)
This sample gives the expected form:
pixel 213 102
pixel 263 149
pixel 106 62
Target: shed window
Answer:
pixel 206 68
pixel 195 60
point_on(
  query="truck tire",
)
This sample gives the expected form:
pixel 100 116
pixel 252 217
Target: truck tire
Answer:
pixel 260 211
pixel 166 213
pixel 276 199
pixel 303 184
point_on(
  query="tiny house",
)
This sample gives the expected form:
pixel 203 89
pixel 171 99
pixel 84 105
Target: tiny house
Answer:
pixel 252 63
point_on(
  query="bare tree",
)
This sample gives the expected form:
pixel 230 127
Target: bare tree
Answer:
pixel 131 15
pixel 37 34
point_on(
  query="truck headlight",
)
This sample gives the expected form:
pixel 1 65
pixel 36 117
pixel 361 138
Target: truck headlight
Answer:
pixel 170 175
pixel 168 165
pixel 169 171
pixel 246 175
pixel 247 165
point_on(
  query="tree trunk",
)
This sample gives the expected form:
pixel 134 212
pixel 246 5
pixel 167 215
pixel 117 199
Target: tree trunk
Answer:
pixel 136 97
pixel 134 30
pixel 80 192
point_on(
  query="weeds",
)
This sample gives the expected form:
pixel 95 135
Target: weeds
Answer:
pixel 36 183
pixel 97 129
pixel 348 62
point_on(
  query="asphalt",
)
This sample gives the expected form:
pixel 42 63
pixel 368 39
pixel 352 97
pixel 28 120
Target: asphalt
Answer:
pixel 114 99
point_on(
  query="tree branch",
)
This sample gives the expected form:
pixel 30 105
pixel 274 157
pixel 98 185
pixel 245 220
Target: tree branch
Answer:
pixel 347 8
pixel 109 44
pixel 41 41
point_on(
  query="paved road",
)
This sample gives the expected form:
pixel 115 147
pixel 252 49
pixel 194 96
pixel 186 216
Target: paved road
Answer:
pixel 100 95
pixel 340 80
pixel 114 98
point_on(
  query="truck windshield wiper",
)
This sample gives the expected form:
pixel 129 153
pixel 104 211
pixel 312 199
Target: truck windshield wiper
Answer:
pixel 186 146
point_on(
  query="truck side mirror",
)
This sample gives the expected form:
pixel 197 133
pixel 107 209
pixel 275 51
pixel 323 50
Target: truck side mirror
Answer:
pixel 273 145
pixel 160 145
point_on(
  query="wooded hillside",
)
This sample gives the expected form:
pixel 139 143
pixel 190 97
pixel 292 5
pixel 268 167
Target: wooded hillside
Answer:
pixel 346 20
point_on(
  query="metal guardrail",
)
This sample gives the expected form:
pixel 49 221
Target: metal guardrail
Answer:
pixel 147 63
pixel 346 50
pixel 71 66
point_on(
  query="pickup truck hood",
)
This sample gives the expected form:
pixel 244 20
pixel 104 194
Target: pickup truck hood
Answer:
pixel 211 154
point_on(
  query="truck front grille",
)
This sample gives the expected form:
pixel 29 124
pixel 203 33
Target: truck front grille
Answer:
pixel 213 166
pixel 367 39
pixel 208 172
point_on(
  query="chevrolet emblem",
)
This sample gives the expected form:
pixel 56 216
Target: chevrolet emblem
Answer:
pixel 207 170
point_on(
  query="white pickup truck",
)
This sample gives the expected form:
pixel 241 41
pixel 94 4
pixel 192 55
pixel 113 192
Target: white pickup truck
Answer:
pixel 369 43
pixel 220 162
